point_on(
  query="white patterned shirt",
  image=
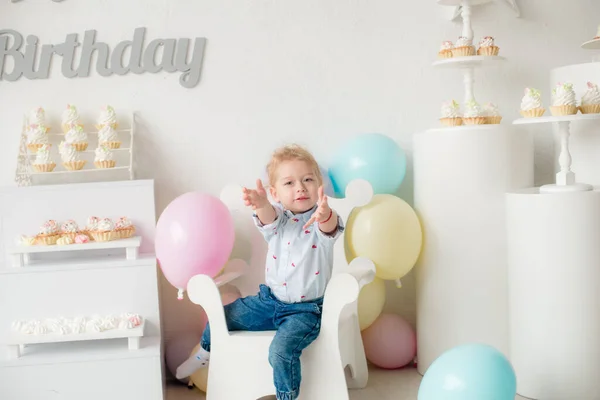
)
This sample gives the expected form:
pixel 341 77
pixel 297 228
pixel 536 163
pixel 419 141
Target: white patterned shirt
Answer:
pixel 299 261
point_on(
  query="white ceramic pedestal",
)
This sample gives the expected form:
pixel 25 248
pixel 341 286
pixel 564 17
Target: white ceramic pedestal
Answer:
pixel 461 177
pixel 584 141
pixel 554 293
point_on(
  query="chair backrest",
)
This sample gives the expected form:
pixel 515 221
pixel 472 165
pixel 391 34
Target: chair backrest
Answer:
pixel 358 193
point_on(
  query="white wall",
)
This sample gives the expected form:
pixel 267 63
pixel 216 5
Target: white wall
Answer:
pixel 313 71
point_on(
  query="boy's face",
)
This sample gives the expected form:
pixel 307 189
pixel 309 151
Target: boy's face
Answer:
pixel 296 187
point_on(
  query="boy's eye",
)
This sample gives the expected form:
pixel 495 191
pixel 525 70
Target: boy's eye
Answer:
pixel 309 179
pixel 288 183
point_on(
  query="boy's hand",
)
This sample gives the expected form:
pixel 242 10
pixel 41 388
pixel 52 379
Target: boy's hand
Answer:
pixel 322 212
pixel 256 199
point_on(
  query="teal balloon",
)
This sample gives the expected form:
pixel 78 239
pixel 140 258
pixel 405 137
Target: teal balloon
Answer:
pixel 374 157
pixel 469 372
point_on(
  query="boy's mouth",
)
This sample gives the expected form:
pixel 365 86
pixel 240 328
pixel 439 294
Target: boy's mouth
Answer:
pixel 302 198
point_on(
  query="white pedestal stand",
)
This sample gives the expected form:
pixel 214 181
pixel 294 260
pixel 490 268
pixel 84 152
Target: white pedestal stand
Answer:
pixel 584 142
pixel 554 296
pixel 565 178
pixel 461 177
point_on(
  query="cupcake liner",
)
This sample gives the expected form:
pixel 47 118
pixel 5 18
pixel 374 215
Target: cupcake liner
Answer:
pixel 74 165
pixel 474 120
pixel 563 110
pixel 67 127
pixel 445 54
pixel 590 108
pixel 451 121
pixel 493 120
pixel 114 144
pixel 69 234
pixel 47 240
pixel 488 51
pixel 533 113
pixel 44 167
pixel 105 164
pixel 102 236
pixel 81 146
pixel 124 233
pixel 34 147
pixel 100 126
pixel 463 51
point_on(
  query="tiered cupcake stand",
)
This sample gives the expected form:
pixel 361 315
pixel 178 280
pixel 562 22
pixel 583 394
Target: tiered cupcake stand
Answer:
pixel 461 176
pixel 553 257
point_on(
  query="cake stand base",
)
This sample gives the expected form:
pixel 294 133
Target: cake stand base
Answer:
pixel 575 187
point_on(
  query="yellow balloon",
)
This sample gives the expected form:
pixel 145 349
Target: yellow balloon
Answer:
pixel 387 231
pixel 370 302
pixel 200 377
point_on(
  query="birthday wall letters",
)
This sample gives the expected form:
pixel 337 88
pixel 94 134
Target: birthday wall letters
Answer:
pixel 33 60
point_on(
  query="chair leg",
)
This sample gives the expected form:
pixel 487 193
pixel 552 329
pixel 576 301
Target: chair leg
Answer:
pixel 357 371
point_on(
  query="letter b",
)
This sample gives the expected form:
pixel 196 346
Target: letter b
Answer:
pixel 13 51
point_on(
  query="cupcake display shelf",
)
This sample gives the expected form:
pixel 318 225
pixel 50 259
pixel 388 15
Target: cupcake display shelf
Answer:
pixel 17 339
pixel 457 3
pixel 123 165
pixel 468 62
pixel 593 44
pixel 565 178
pixel 19 254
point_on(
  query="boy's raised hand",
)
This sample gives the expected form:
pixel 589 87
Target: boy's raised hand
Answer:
pixel 255 198
pixel 322 212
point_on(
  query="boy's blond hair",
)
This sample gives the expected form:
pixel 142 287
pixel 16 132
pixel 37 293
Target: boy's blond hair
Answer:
pixel 291 152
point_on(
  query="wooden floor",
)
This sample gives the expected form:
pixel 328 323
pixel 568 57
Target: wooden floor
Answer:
pixel 383 385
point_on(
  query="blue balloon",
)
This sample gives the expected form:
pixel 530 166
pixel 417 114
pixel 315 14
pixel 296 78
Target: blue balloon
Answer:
pixel 374 157
pixel 469 372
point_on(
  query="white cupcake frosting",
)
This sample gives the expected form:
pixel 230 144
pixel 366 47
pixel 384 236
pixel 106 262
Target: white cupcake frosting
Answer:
pixel 103 153
pixel 69 226
pixel 42 156
pixel 37 116
pixel 49 227
pixel 450 109
pixel 473 109
pixel 487 41
pixel 77 325
pixel 76 135
pixel 70 115
pixel 463 41
pixel 107 116
pixel 446 45
pixel 591 96
pixel 563 95
pixel 491 110
pixel 68 153
pixel 123 222
pixel 105 225
pixel 92 223
pixel 36 134
pixel 107 134
pixel 531 100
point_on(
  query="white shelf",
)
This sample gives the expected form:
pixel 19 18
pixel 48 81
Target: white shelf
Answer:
pixel 565 118
pixel 456 3
pixel 83 263
pixel 79 171
pixel 20 253
pixel 17 338
pixel 468 62
pixel 593 44
pixel 73 352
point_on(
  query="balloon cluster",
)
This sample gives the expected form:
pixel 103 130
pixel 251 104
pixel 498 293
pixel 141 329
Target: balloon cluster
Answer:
pixel 388 232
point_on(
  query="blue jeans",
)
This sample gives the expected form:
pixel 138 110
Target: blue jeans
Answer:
pixel 297 325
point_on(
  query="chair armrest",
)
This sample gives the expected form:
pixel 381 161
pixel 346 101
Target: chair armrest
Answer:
pixel 362 269
pixel 203 290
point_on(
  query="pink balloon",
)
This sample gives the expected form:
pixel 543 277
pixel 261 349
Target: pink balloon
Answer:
pixel 194 235
pixel 390 342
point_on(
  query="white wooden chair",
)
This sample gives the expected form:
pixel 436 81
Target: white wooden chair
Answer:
pixel 335 361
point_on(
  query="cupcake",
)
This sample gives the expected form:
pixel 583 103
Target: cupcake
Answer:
pixel 563 100
pixel 70 117
pixel 104 158
pixel 43 162
pixel 463 47
pixel 107 136
pixel 451 114
pixel 105 230
pixel 48 233
pixel 37 116
pixel 36 137
pixel 124 228
pixel 65 240
pixel 92 224
pixel 70 157
pixel 590 101
pixel 487 47
pixel 76 137
pixel 474 114
pixel 107 117
pixel 446 49
pixel 531 104
pixel 69 228
pixel 492 114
